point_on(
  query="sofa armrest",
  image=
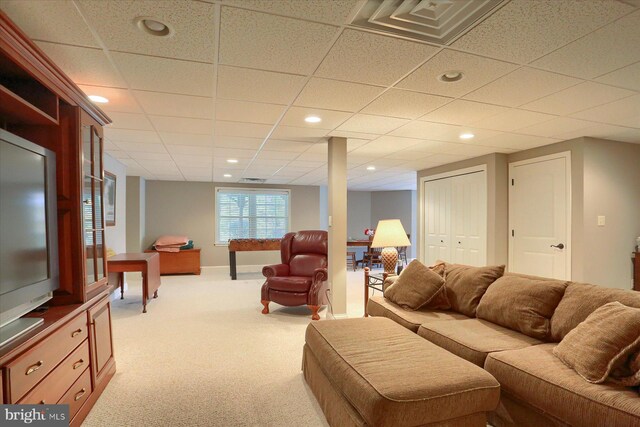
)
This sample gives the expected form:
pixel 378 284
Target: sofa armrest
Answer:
pixel 275 270
pixel 318 284
pixel 388 281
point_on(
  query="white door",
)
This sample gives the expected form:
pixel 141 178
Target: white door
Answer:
pixel 539 217
pixel 437 218
pixel 469 219
pixel 455 219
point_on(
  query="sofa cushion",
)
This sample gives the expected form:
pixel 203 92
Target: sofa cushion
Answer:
pixel 395 378
pixel 534 375
pixel 580 300
pixel 465 285
pixel 522 303
pixel 474 339
pixel 415 287
pixel 290 283
pixel 602 342
pixel 382 307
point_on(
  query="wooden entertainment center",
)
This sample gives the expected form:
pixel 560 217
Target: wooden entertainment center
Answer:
pixel 68 359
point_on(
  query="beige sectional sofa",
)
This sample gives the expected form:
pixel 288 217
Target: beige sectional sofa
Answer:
pixel 537 389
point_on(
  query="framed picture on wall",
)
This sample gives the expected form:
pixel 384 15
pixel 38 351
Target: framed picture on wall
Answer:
pixel 109 199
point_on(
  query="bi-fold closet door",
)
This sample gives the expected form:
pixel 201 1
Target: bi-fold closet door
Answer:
pixel 455 219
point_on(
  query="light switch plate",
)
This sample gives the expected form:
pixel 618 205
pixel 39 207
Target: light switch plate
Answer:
pixel 601 220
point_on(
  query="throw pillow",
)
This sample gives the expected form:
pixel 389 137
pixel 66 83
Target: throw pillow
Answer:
pixel 602 343
pixel 524 304
pixel 466 285
pixel 415 286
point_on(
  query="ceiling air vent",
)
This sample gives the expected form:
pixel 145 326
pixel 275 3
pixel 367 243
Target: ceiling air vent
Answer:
pixel 253 180
pixel 434 21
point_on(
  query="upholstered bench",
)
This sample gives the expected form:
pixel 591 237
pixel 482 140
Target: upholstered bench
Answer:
pixel 374 372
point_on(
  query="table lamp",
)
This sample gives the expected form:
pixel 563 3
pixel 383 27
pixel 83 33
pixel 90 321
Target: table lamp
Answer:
pixel 389 234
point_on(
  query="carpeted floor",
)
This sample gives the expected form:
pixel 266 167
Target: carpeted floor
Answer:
pixel 204 355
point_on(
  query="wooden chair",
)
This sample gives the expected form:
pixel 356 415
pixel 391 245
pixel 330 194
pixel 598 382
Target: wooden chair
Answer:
pixel 373 256
pixel 351 260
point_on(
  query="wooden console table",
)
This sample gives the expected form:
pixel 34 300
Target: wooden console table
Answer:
pixel 146 263
pixel 244 245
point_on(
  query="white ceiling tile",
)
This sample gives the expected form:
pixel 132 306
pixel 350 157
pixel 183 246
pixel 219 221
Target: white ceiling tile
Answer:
pixel 182 125
pixel 298 133
pixel 556 127
pixel 85 66
pixel 330 119
pixel 140 155
pixel 405 104
pixel 432 147
pixel 274 164
pixel 309 10
pixel 259 86
pixel 616 133
pixel 278 155
pixel 470 150
pixel 372 124
pixel 128 135
pixel 51 20
pixel 462 112
pixel 607 49
pixel 313 163
pixel 539 27
pixel 441 132
pixel 120 100
pixel 191 150
pixel 626 77
pixel 578 98
pixel 522 86
pixel 159 74
pixel 176 176
pixel 191 22
pixel 259 40
pixel 409 154
pixel 517 142
pixel 365 57
pixel 446 158
pixel 390 144
pixel 130 164
pixel 625 112
pixel 311 156
pixel 247 130
pixel 335 95
pixel 476 71
pixel 183 160
pixel 513 119
pixel 129 121
pixel 118 154
pixel 418 129
pixel 237 142
pixel 176 138
pixel 253 112
pixel 353 135
pixel 232 153
pixel 168 104
pixel 146 147
pixel 164 167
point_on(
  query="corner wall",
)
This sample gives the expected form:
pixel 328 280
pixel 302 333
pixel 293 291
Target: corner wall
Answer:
pixel 116 236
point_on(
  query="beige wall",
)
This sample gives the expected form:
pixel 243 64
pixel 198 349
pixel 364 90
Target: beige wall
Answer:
pixel 497 201
pixel 189 208
pixel 135 213
pixel 604 181
pixel 393 205
pixel 116 236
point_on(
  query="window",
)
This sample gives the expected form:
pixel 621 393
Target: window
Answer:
pixel 243 213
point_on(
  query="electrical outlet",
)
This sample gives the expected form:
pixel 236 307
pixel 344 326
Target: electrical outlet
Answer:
pixel 601 220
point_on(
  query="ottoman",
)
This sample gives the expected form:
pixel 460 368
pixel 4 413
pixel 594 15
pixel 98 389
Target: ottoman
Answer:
pixel 373 372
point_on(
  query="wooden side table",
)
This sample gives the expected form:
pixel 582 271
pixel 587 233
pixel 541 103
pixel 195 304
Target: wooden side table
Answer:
pixel 146 263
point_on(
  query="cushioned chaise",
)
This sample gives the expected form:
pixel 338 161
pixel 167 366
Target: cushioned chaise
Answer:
pixel 474 339
pixel 535 376
pixel 382 307
pixel 373 372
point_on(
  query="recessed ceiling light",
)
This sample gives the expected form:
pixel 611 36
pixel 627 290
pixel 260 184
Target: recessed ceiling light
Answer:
pixel 451 76
pixel 467 135
pixel 312 119
pixel 153 26
pixel 227 175
pixel 98 99
pixel 232 160
pixel 371 168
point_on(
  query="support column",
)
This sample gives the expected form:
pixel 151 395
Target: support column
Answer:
pixel 338 225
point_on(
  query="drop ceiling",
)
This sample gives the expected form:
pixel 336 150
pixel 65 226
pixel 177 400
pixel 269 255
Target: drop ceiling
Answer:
pixel 237 78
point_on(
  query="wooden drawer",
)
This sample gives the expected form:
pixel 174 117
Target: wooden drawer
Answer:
pixel 77 394
pixel 56 384
pixel 31 367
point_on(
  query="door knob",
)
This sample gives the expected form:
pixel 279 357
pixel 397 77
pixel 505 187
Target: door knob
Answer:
pixel 559 246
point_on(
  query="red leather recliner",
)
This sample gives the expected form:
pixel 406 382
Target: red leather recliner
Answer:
pixel 301 278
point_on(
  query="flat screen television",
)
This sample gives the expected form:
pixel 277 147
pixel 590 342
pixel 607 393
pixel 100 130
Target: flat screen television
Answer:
pixel 28 232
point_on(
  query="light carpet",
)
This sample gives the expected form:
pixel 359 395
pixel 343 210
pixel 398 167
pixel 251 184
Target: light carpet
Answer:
pixel 204 355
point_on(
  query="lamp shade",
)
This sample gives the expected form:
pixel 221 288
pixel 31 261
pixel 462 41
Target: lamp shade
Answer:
pixel 390 232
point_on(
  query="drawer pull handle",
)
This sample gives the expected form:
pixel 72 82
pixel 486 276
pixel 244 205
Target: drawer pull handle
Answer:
pixel 79 394
pixel 31 369
pixel 76 333
pixel 78 364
